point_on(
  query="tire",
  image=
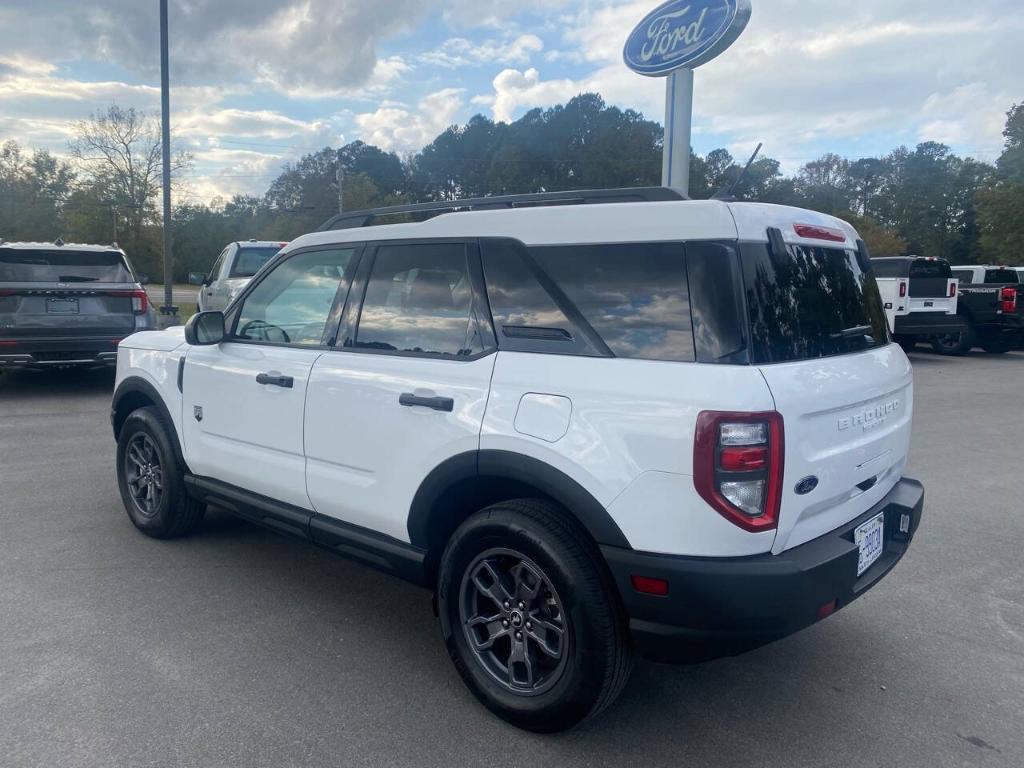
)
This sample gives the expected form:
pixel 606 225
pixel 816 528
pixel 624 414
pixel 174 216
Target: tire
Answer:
pixel 956 345
pixel 574 630
pixel 997 345
pixel 908 345
pixel 162 508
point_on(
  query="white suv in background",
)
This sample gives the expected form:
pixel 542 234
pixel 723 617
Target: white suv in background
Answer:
pixel 232 271
pixel 592 423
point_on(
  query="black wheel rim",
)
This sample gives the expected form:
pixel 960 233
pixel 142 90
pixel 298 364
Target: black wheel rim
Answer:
pixel 949 340
pixel 514 622
pixel 143 474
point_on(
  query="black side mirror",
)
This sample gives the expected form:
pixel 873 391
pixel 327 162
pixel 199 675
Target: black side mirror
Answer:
pixel 205 329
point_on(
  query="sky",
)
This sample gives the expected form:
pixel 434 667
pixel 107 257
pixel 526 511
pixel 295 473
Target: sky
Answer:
pixel 258 83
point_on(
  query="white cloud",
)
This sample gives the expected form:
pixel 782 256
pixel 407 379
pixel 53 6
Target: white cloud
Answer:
pixel 514 89
pixel 395 127
pixel 459 52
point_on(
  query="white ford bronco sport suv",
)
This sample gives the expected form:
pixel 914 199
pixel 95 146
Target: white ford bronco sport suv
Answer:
pixel 592 423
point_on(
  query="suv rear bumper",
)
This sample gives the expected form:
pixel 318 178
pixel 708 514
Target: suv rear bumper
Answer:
pixel 928 324
pixel 740 603
pixel 50 352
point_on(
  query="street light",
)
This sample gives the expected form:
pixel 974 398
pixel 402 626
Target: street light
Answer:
pixel 165 119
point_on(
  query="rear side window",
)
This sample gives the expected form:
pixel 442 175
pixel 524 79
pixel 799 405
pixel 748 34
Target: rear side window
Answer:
pixel 63 266
pixel 633 295
pixel 1000 276
pixel 809 302
pixel 929 268
pixel 963 275
pixel 249 260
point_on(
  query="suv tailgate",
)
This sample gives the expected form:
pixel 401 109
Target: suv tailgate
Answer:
pixel 847 423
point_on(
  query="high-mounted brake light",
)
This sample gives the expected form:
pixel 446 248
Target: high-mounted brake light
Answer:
pixel 1008 300
pixel 738 467
pixel 903 289
pixel 816 232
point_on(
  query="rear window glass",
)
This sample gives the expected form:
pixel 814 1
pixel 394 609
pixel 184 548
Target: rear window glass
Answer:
pixel 930 268
pixel 1000 276
pixel 810 303
pixel 63 266
pixel 249 260
pixel 634 295
pixel 889 267
pixel 963 275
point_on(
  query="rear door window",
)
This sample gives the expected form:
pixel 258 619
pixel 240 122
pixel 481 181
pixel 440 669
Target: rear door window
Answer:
pixel 930 268
pixel 63 266
pixel 963 275
pixel 889 267
pixel 419 299
pixel 808 303
pixel 929 278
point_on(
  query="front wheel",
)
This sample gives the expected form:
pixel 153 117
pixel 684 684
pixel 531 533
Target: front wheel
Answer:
pixel 531 622
pixel 151 482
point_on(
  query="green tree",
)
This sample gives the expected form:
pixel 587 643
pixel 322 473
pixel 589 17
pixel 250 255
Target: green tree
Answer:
pixel 1000 206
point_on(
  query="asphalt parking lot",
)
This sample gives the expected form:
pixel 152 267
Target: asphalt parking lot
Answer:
pixel 237 647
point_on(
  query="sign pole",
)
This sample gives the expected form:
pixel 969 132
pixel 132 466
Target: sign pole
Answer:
pixel 675 161
pixel 165 140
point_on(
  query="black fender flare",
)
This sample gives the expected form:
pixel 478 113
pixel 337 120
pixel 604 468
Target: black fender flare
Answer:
pixel 509 465
pixel 137 385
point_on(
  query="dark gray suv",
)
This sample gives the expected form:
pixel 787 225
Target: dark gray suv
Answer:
pixel 67 305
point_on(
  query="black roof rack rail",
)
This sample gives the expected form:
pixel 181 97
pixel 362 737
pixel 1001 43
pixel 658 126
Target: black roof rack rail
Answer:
pixel 355 219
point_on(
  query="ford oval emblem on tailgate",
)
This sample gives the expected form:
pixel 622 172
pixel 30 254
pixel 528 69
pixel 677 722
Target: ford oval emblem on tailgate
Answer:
pixel 806 485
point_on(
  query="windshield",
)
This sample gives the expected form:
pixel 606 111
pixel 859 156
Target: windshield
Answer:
pixel 249 260
pixel 63 266
pixel 810 303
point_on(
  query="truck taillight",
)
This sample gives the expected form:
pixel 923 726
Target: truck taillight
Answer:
pixel 1008 300
pixel 903 289
pixel 952 289
pixel 738 463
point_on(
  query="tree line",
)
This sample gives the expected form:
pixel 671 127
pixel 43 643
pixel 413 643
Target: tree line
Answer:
pixel 924 200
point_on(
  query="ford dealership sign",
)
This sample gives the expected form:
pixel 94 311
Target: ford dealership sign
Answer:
pixel 684 33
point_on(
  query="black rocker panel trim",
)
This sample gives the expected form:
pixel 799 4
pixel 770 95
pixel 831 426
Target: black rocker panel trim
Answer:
pixel 368 547
pixel 138 386
pixel 508 465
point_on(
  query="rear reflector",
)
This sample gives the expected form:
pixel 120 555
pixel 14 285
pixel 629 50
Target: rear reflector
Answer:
pixel 828 609
pixel 649 585
pixel 815 232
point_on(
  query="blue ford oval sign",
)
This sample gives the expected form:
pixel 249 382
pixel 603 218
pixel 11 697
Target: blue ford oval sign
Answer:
pixel 684 33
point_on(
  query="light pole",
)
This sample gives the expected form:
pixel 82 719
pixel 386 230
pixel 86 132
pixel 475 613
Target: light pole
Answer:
pixel 165 124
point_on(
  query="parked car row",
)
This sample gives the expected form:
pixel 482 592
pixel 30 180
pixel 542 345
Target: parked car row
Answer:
pixel 953 308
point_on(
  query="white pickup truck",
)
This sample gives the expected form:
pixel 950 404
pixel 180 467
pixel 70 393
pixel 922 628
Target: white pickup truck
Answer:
pixel 920 298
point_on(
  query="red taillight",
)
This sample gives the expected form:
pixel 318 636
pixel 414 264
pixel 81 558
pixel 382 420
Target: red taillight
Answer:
pixel 815 232
pixel 5 343
pixel 738 462
pixel 903 290
pixel 952 289
pixel 1008 300
pixel 140 302
pixel 649 585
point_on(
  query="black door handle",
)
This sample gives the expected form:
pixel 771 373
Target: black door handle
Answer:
pixel 437 403
pixel 275 380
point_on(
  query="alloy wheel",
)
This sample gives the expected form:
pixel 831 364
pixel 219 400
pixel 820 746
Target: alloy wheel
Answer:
pixel 144 474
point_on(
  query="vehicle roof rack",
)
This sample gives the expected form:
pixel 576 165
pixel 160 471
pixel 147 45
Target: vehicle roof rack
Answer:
pixel 365 218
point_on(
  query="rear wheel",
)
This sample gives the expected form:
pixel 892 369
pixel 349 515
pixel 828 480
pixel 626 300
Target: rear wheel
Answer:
pixel 151 480
pixel 956 343
pixel 997 345
pixel 533 626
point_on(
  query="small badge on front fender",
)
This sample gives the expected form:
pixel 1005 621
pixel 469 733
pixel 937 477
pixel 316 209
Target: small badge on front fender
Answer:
pixel 197 411
pixel 806 485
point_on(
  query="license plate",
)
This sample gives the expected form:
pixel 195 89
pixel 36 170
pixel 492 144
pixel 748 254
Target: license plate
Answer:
pixel 62 306
pixel 869 539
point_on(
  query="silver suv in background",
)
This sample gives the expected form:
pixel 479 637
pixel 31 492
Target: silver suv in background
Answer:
pixel 232 270
pixel 67 304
